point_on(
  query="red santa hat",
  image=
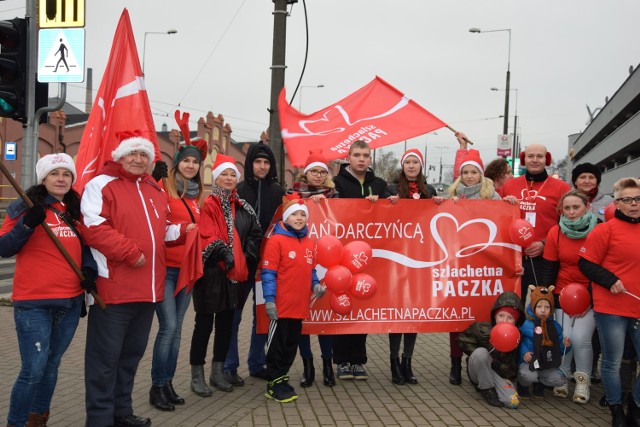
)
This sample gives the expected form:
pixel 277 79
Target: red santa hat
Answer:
pixel 412 152
pixel 316 159
pixel 222 163
pixel 473 158
pixel 292 203
pixel 130 142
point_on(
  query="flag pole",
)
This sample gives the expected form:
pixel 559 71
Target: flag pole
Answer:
pixel 455 131
pixel 51 234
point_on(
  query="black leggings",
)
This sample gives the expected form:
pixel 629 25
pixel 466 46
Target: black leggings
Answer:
pixel 202 333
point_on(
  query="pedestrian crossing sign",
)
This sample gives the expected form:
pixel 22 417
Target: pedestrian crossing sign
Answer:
pixel 61 55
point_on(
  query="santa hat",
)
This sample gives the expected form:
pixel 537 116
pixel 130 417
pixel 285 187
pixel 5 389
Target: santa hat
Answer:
pixel 292 203
pixel 412 152
pixel 54 161
pixel 195 148
pixel 473 158
pixel 223 162
pixel 316 159
pixel 129 144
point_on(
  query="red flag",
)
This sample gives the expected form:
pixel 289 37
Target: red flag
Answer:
pixel 121 105
pixel 377 113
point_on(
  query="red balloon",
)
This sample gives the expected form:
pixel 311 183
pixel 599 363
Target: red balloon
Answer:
pixel 328 251
pixel 338 278
pixel 363 286
pixel 356 256
pixel 504 337
pixel 340 302
pixel 521 232
pixel 609 211
pixel 575 299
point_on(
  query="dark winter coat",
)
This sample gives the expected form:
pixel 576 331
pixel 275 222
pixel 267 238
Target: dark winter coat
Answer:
pixel 477 335
pixel 264 195
pixel 214 292
pixel 348 186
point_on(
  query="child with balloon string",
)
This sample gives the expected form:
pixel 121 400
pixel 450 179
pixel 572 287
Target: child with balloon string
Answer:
pixel 540 349
pixel 571 295
pixel 492 348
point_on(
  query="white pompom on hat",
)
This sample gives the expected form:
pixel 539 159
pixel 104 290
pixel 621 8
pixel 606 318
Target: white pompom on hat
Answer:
pixel 222 163
pixel 415 153
pixel 135 143
pixel 54 161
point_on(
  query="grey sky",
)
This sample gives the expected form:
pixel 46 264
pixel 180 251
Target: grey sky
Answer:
pixel 564 54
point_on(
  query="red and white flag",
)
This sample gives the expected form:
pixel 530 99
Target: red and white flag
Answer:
pixel 377 113
pixel 121 105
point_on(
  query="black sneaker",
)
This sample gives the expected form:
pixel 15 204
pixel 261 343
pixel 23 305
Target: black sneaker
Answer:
pixel 538 390
pixel 344 372
pixel 523 391
pixel 132 421
pixel 278 391
pixel 359 373
pixel 491 397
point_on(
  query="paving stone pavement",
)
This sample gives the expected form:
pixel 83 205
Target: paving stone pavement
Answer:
pixel 376 402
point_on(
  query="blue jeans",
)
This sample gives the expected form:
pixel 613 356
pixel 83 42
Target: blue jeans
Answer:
pixel 612 330
pixel 257 355
pixel 44 334
pixel 326 346
pixel 170 314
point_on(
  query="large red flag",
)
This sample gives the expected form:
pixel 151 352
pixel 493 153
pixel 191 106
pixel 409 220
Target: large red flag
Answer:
pixel 377 113
pixel 121 105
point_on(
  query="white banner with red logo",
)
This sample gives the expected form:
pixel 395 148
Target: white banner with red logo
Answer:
pixel 437 268
pixel 377 113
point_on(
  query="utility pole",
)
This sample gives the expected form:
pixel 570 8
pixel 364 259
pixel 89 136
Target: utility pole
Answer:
pixel 277 81
pixel 440 177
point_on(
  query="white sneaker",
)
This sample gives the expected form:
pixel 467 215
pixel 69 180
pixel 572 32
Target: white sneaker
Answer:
pixel 562 391
pixel 582 391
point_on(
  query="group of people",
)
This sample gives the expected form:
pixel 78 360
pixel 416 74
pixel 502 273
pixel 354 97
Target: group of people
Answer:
pixel 151 243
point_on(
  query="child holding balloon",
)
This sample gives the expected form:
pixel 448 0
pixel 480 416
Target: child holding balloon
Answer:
pixel 288 276
pixel 493 357
pixel 540 350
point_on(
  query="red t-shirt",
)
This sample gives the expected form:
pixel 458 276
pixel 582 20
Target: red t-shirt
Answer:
pixel 613 245
pixel 560 248
pixel 537 201
pixel 293 259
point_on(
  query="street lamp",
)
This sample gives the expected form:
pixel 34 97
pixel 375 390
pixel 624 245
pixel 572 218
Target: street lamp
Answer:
pixel 515 127
pixel 144 44
pixel 506 96
pixel 300 97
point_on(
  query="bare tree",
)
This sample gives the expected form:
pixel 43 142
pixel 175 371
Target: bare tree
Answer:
pixel 386 165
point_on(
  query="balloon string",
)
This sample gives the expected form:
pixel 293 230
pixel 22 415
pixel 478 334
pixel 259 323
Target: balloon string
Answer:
pixel 630 294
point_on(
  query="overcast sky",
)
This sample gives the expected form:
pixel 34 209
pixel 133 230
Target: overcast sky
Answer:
pixel 564 55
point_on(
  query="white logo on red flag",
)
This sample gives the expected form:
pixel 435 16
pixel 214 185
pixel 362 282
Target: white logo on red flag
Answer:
pixel 377 113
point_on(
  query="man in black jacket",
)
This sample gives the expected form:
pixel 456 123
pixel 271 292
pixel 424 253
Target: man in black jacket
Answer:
pixel 355 180
pixel 262 191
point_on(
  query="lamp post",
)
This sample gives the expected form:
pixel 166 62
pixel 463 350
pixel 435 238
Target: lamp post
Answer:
pixel 144 44
pixel 506 96
pixel 515 127
pixel 300 97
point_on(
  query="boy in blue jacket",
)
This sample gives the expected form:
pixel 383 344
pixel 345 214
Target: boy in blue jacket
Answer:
pixel 542 345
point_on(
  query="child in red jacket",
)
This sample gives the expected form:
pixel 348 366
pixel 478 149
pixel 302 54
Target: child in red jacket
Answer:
pixel 288 276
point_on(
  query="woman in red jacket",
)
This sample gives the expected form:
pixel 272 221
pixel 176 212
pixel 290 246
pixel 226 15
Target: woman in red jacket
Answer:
pixel 47 293
pixel 560 268
pixel 185 196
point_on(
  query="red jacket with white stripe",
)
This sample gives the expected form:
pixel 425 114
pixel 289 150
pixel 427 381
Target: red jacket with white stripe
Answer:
pixel 125 216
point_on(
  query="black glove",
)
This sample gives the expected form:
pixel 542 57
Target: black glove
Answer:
pixel 160 170
pixel 89 281
pixel 227 257
pixel 35 216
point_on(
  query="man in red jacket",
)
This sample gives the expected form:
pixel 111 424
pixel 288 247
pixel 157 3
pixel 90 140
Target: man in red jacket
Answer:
pixel 537 195
pixel 125 219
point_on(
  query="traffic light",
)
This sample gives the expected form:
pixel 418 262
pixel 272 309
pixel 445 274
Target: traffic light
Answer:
pixel 13 69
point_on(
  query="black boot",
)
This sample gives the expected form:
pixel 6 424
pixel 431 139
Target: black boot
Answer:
pixel 309 373
pixel 455 374
pixel 327 372
pixel 407 372
pixel 171 394
pixel 617 416
pixel 396 371
pixel 633 413
pixel 158 399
